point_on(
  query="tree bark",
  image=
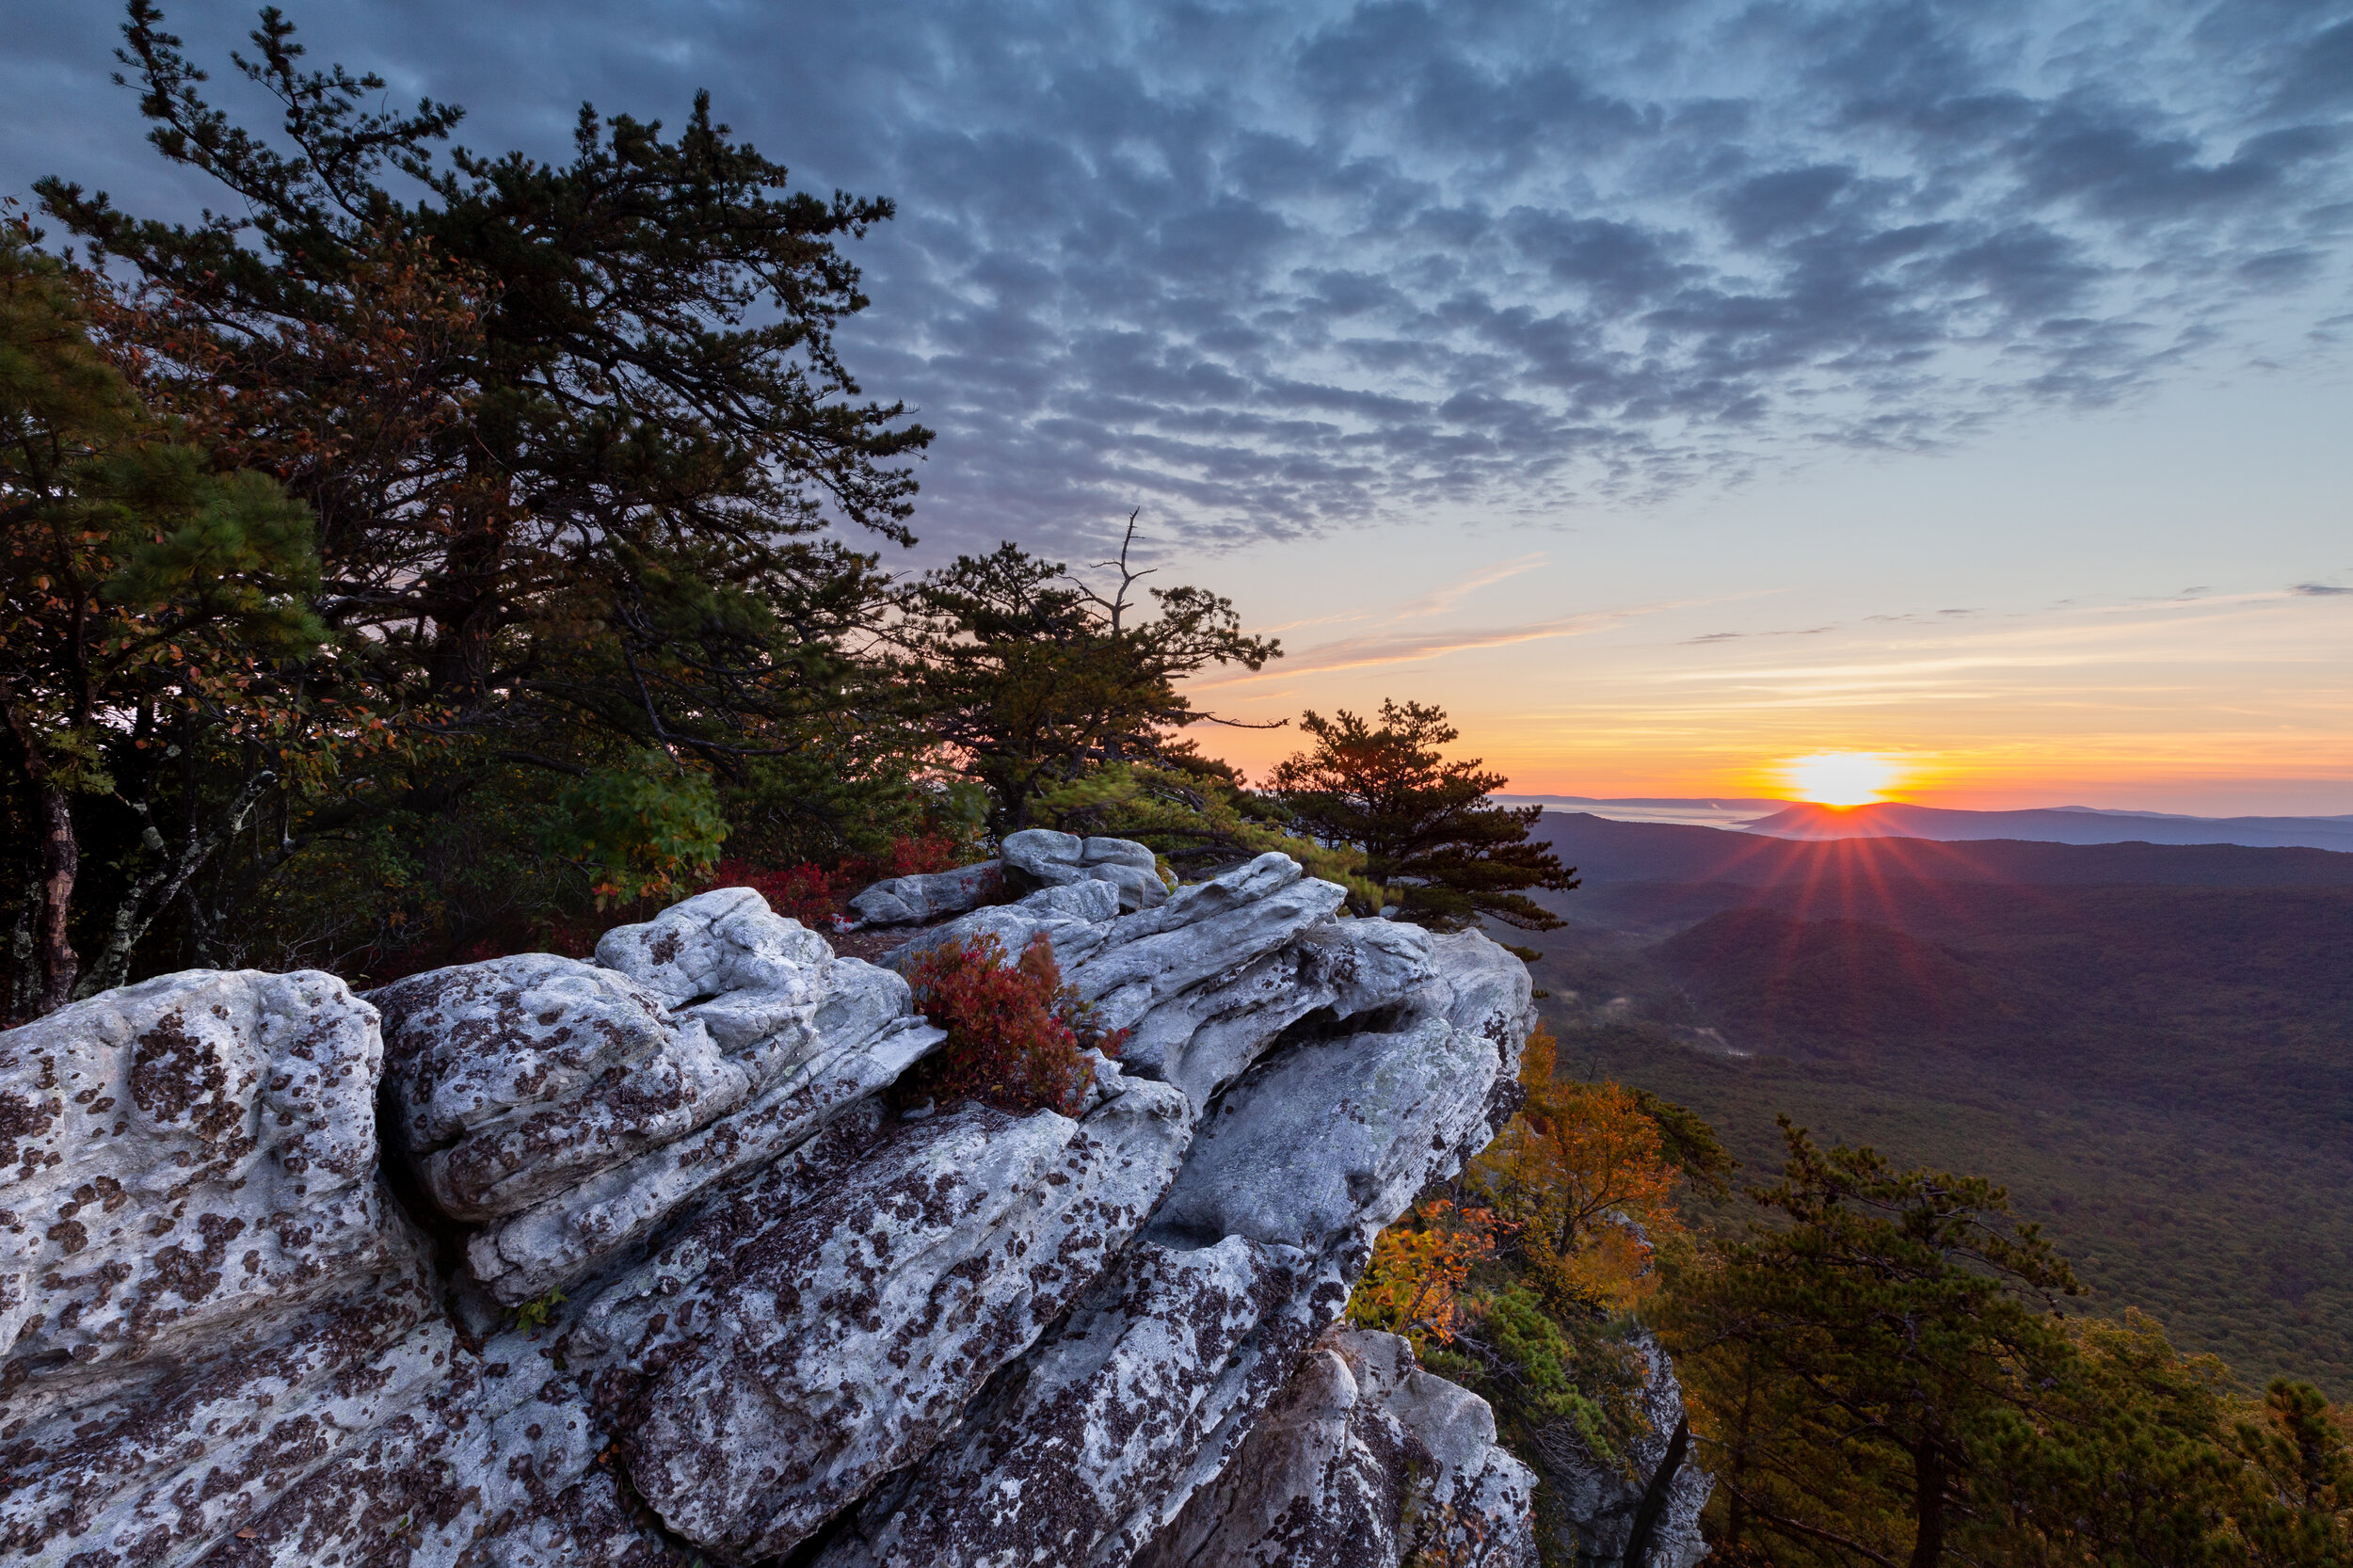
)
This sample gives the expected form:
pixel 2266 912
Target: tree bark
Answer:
pixel 61 864
pixel 1928 1505
pixel 151 893
pixel 1653 1504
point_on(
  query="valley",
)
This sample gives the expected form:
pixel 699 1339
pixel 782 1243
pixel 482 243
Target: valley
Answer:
pixel 2146 1043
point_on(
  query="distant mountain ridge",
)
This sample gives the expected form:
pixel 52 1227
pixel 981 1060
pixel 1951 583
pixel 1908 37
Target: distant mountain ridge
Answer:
pixel 2145 1042
pixel 2065 825
pixel 2053 824
pixel 1605 850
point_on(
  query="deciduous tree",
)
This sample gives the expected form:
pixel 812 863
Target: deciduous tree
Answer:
pixel 150 610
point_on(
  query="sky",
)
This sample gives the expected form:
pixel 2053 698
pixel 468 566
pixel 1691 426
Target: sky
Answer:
pixel 1666 389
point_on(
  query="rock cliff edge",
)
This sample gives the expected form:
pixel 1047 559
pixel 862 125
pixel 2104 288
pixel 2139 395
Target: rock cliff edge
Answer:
pixel 546 1261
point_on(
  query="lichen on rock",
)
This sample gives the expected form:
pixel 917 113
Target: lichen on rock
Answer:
pixel 683 1279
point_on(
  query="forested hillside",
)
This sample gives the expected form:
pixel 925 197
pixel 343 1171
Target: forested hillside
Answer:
pixel 2156 1069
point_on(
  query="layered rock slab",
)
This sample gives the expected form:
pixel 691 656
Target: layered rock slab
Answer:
pixel 792 1346
pixel 795 1309
pixel 193 1240
pixel 1361 1461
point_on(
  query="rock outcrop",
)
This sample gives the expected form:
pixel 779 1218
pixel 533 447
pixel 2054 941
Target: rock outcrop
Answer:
pixel 1362 1460
pixel 669 1276
pixel 1642 1506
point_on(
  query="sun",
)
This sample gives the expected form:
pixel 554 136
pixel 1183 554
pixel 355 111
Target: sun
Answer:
pixel 1840 778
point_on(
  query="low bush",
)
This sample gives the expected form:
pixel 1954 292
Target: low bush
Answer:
pixel 1016 1034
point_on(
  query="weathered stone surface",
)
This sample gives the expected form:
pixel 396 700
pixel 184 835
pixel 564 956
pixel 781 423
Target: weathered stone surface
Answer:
pixel 1044 856
pixel 1045 859
pixel 726 939
pixel 1206 1035
pixel 912 900
pixel 1072 1460
pixel 554 1243
pixel 514 1079
pixel 1337 1133
pixel 792 1346
pixel 1604 1497
pixel 192 1240
pixel 1362 1460
pixel 1069 912
pixel 490 1459
pixel 960 1337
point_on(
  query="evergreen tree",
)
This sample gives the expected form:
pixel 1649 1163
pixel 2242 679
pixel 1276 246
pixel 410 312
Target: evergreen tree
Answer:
pixel 1033 682
pixel 1423 823
pixel 575 434
pixel 1869 1346
pixel 149 612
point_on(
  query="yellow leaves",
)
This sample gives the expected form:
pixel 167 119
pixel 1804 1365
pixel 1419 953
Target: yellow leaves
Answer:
pixel 1414 1285
pixel 1582 1172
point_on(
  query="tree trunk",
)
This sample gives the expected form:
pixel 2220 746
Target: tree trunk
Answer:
pixel 1928 1505
pixel 1653 1502
pixel 61 864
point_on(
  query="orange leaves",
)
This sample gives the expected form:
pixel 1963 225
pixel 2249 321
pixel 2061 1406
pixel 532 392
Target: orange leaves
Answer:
pixel 1414 1286
pixel 1583 1173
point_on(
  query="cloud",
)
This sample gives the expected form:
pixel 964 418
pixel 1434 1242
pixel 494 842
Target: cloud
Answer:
pixel 1276 271
pixel 1447 596
pixel 2318 590
pixel 1391 647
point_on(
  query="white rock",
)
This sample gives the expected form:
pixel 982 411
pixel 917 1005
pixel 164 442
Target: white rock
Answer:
pixel 810 1347
pixel 1363 1461
pixel 1049 858
pixel 790 1298
pixel 1071 1463
pixel 192 1241
pixel 912 900
pixel 726 939
pixel 1071 912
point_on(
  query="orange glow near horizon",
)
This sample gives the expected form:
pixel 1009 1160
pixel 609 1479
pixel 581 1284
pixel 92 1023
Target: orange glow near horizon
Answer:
pixel 1841 778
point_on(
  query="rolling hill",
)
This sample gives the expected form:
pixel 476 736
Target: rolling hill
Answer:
pixel 2151 1045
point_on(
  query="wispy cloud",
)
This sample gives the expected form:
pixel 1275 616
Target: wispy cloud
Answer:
pixel 1744 636
pixel 1393 647
pixel 1438 600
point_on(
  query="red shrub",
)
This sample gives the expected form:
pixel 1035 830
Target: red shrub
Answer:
pixel 814 894
pixel 808 894
pixel 1015 1032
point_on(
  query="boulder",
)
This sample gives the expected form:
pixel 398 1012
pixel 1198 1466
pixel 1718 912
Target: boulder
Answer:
pixel 1362 1460
pixel 1074 1459
pixel 1042 857
pixel 917 900
pixel 1656 1486
pixel 796 1343
pixel 1071 912
pixel 193 1240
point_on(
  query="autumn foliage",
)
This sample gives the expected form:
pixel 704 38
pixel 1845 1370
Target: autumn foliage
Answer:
pixel 814 894
pixel 1415 1282
pixel 1582 1179
pixel 1017 1036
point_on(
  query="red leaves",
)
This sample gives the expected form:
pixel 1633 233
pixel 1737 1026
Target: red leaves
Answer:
pixel 814 894
pixel 1015 1032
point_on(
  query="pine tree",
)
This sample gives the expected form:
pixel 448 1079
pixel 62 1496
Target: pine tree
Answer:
pixel 1423 823
pixel 579 444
